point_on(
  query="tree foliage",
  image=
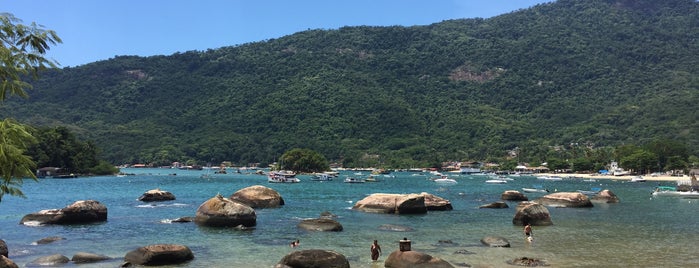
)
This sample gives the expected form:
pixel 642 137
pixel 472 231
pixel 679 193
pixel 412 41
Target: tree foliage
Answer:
pixel 304 160
pixel 21 53
pixel 14 163
pixel 596 73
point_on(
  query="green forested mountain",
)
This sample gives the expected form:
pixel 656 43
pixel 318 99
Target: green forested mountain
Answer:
pixel 591 73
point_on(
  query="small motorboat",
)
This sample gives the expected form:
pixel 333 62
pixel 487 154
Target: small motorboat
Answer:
pixel 638 179
pixel 353 180
pixel 321 177
pixel 371 179
pixel 496 181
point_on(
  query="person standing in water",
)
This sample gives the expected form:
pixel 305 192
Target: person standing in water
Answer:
pixel 375 250
pixel 528 231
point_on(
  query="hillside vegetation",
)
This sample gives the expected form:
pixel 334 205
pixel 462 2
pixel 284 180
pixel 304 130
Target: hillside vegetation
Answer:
pixel 586 73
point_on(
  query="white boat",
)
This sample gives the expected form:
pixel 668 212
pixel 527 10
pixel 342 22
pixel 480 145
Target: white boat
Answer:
pixel 445 180
pixel 353 180
pixel 282 176
pixel 321 177
pixel 496 181
pixel 371 178
pixel 692 195
pixel 672 191
pixel 535 190
pixel 638 179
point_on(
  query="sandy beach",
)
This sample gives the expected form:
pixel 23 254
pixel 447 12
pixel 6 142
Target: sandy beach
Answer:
pixel 625 177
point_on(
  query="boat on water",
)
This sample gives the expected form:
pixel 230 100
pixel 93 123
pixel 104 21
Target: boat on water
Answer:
pixel 496 181
pixel 354 180
pixel 322 177
pixel 444 180
pixel 282 176
pixel 549 178
pixel 638 179
pixel 672 191
pixel 535 190
pixel 371 178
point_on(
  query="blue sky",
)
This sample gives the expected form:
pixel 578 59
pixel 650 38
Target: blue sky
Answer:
pixel 94 30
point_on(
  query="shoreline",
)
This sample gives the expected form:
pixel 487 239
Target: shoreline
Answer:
pixel 664 178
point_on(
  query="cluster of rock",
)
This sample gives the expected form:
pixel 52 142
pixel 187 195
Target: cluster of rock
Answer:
pixel 238 210
pixel 536 213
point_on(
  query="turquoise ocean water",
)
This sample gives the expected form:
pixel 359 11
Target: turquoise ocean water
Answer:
pixel 638 232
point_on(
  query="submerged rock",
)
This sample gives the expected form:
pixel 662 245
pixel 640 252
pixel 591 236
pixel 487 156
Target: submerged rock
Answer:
pixel 414 259
pixel 86 257
pixel 51 260
pixel 528 262
pixel 313 258
pixel 48 240
pixel 498 204
pixel 323 225
pixel 495 241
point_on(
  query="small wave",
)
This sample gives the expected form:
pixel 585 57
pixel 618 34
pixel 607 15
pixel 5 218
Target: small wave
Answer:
pixel 32 223
pixel 162 205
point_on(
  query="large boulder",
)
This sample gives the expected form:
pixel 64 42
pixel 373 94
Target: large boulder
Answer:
pixel 313 258
pixel 7 263
pixel 605 196
pixel 258 196
pixel 414 259
pixel 512 195
pixel 3 248
pixel 84 211
pixel 433 202
pixel 392 204
pixel 223 212
pixel 320 224
pixel 156 195
pixel 565 199
pixel 495 241
pixel 51 260
pixel 86 257
pixel 532 213
pixel 159 254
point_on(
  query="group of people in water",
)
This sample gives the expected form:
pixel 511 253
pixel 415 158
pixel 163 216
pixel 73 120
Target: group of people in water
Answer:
pixel 375 249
